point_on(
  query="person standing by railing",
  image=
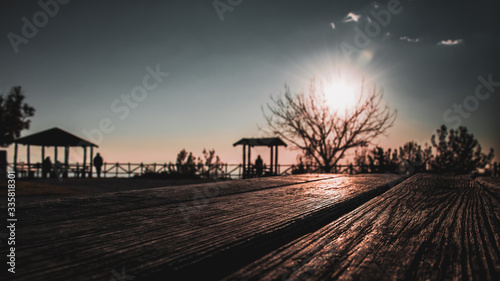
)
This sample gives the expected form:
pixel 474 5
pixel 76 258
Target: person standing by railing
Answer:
pixel 46 167
pixel 259 167
pixel 98 164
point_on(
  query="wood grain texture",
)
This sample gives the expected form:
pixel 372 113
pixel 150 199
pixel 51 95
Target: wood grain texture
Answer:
pixel 161 232
pixel 427 228
pixel 69 208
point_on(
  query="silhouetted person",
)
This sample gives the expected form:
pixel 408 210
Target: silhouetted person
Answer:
pixel 98 164
pixel 46 167
pixel 259 166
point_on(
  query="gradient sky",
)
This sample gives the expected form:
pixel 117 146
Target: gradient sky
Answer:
pixel 427 58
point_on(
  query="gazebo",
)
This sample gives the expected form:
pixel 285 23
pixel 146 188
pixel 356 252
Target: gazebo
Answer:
pixel 55 137
pixel 272 143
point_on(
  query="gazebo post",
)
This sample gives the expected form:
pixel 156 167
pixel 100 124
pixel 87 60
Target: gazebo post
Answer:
pixel 244 161
pixel 66 161
pixel 43 158
pixel 249 170
pixel 15 158
pixel 84 160
pixel 91 160
pixel 56 167
pixel 271 168
pixel 276 160
pixel 28 159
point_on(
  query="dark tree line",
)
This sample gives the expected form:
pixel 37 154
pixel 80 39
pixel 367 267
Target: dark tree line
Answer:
pixel 452 151
pixel 325 134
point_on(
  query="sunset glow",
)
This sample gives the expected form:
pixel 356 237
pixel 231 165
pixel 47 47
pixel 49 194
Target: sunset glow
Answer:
pixel 340 95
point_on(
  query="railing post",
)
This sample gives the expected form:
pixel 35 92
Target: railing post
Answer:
pixel 84 165
pixel 15 158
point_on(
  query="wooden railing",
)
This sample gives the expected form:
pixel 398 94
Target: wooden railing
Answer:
pixel 225 170
pixel 34 170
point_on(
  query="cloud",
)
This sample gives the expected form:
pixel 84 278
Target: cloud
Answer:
pixel 351 17
pixel 450 42
pixel 410 40
pixel 332 25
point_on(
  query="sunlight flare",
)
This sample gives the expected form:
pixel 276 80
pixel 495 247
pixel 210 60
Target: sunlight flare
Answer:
pixel 340 95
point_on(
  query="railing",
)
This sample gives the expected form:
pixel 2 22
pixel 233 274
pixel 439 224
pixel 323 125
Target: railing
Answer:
pixel 35 170
pixel 226 171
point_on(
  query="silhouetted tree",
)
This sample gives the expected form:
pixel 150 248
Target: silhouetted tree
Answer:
pixel 381 161
pixel 361 160
pixel 457 151
pixel 186 163
pixel 304 165
pixel 14 116
pixel 325 134
pixel 413 159
pixel 212 161
pixel 189 166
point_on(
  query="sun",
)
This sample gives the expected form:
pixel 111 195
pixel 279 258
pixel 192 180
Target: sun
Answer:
pixel 340 95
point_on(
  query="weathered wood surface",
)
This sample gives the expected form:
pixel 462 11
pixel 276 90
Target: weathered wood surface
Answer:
pixel 491 182
pixel 156 232
pixel 427 228
pixel 70 208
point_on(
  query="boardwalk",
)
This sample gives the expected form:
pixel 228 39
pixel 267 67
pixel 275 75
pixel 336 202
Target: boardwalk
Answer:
pixel 296 227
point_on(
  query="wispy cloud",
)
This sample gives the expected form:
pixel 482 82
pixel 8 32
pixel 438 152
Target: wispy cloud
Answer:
pixel 450 42
pixel 332 25
pixel 410 40
pixel 351 17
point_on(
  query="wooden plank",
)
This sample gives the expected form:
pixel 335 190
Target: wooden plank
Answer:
pixel 61 209
pixel 211 236
pixel 492 182
pixel 427 228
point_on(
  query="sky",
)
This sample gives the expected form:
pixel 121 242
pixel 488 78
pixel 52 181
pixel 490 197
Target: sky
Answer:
pixel 145 79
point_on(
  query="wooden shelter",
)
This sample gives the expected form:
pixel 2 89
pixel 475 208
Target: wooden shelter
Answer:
pixel 55 137
pixel 272 143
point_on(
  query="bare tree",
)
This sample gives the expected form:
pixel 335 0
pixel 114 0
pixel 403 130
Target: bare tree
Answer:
pixel 323 133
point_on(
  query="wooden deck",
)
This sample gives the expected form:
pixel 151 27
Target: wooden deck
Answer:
pixel 303 227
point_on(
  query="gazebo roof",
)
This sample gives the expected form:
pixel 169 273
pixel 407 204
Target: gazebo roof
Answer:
pixel 261 142
pixel 54 137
